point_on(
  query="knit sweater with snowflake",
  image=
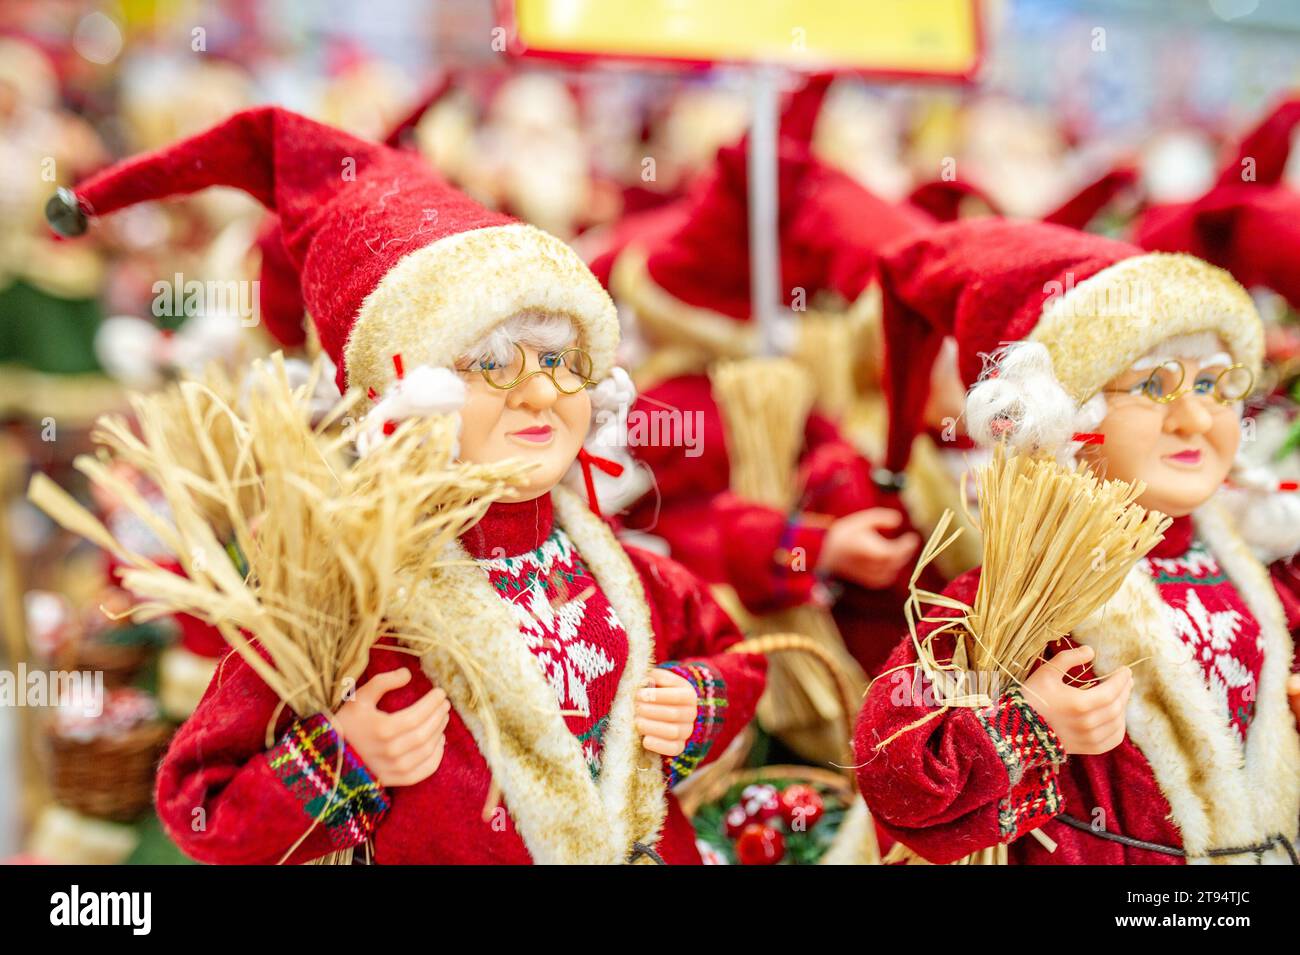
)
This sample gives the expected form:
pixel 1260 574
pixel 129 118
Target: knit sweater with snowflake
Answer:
pixel 1207 613
pixel 564 617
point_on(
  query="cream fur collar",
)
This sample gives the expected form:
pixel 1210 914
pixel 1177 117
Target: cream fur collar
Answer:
pixel 1220 796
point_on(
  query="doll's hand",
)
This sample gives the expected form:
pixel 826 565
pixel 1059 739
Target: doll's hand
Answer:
pixel 1293 695
pixel 401 748
pixel 855 550
pixel 665 712
pixel 1087 721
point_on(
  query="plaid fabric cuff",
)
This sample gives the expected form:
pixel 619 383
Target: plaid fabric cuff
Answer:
pixel 347 800
pixel 796 579
pixel 710 711
pixel 1032 754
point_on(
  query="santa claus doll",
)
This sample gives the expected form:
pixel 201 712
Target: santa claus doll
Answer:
pixel 1163 729
pixel 613 680
pixel 685 278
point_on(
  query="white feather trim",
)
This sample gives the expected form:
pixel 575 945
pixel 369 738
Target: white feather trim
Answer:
pixel 615 393
pixel 1267 519
pixel 423 390
pixel 1019 401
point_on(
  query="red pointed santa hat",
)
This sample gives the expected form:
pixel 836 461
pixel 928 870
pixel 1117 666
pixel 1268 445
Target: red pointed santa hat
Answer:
pixel 1095 304
pixel 279 289
pixel 1086 204
pixel 1266 148
pixel 279 293
pixel 1249 221
pixel 392 259
pixel 642 227
pixel 947 200
pixel 691 282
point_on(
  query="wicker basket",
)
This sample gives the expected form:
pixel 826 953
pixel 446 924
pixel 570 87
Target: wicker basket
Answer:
pixel 856 842
pixel 838 783
pixel 712 780
pixel 118 662
pixel 109 777
pixel 842 681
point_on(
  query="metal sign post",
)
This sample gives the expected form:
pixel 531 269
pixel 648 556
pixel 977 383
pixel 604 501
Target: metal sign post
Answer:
pixel 766 297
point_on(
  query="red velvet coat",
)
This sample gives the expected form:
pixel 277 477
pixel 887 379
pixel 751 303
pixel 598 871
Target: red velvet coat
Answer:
pixel 966 780
pixel 225 796
pixel 726 539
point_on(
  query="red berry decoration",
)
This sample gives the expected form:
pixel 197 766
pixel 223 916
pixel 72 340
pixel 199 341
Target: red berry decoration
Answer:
pixel 736 820
pixel 801 807
pixel 761 801
pixel 760 845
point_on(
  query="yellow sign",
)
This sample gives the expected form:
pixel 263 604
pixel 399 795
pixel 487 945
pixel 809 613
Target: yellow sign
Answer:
pixel 901 37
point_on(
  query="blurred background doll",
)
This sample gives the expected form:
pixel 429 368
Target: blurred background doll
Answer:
pixel 682 272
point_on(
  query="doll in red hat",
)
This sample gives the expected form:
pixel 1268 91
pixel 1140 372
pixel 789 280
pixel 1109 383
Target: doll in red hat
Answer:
pixel 686 279
pixel 1187 749
pixel 614 680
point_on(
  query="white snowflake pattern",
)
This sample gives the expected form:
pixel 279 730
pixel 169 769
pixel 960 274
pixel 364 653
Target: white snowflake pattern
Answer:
pixel 569 664
pixel 1210 635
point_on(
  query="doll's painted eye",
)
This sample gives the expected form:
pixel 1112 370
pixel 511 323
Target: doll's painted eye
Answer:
pixel 1152 387
pixel 1204 384
pixel 487 364
pixel 549 359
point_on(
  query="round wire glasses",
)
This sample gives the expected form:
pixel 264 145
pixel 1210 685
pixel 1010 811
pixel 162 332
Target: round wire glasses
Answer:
pixel 569 370
pixel 1168 382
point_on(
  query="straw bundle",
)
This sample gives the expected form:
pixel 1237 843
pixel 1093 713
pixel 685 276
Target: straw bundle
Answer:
pixel 826 348
pixel 178 410
pixel 321 547
pixel 765 404
pixel 1057 544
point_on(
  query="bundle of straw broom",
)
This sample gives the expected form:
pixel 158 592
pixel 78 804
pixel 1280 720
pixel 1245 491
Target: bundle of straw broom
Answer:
pixel 765 404
pixel 1057 544
pixel 325 546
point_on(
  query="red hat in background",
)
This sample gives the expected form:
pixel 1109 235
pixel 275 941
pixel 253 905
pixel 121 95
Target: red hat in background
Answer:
pixel 1095 303
pixel 279 286
pixel 645 227
pixel 947 200
pixel 393 260
pixel 1266 148
pixel 1086 204
pixel 1249 221
pixel 279 289
pixel 690 280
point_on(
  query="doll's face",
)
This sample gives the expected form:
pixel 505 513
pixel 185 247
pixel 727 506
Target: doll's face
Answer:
pixel 1183 449
pixel 534 422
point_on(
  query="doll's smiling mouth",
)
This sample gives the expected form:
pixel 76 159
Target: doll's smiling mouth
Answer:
pixel 537 434
pixel 1189 458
